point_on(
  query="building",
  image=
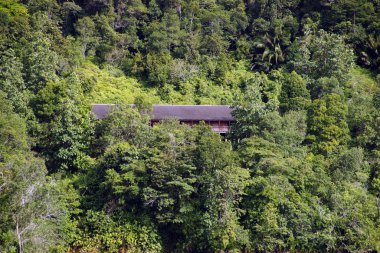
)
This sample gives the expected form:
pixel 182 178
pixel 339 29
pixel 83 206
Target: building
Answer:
pixel 219 117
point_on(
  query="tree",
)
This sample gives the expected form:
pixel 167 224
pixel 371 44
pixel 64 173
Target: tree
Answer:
pixel 70 12
pixel 221 183
pixel 14 21
pixel 288 186
pixel 163 36
pixel 271 51
pixel 326 85
pixel 327 127
pixel 124 124
pixel 103 232
pixel 158 67
pixel 66 126
pixel 12 82
pixel 37 208
pixel 272 38
pixel 260 96
pixel 321 54
pixel 370 56
pixel 88 36
pixel 171 168
pixel 294 93
pixel 41 63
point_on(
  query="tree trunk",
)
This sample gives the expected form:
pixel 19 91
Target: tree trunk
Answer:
pixel 84 50
pixel 19 239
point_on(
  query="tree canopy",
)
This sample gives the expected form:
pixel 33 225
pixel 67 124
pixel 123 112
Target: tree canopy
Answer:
pixel 298 172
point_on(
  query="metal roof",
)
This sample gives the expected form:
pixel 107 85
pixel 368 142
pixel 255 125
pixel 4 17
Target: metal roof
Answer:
pixel 193 112
pixel 180 112
pixel 101 110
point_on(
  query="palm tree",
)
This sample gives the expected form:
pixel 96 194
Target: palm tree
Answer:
pixel 370 55
pixel 268 52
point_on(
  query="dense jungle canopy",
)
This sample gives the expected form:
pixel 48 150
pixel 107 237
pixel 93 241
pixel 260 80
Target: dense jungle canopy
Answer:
pixel 298 172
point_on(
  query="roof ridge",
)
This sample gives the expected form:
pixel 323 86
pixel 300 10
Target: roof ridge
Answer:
pixel 187 105
pixel 165 105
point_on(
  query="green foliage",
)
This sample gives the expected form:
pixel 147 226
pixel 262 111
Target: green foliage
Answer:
pixel 299 172
pixel 362 108
pixel 354 209
pixel 13 20
pixel 41 64
pixel 222 183
pixel 65 124
pixel 294 93
pixel 12 82
pixel 273 38
pixel 321 54
pixel 109 85
pixel 327 127
pixel 124 124
pixel 86 29
pixel 36 209
pixel 102 233
pixel 259 97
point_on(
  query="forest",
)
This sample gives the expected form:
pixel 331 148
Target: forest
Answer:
pixel 298 172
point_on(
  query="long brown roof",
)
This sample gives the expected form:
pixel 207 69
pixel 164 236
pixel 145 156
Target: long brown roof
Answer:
pixel 180 112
